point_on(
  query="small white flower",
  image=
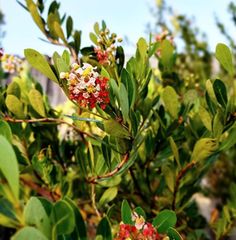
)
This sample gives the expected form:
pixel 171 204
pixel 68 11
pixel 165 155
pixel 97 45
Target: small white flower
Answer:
pixel 91 81
pixel 86 95
pixel 75 66
pixel 81 85
pixel 98 88
pixel 96 94
pixel 62 75
pixel 79 71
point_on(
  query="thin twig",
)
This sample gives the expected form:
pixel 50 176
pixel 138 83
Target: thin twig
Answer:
pixel 45 192
pixel 93 198
pixel 94 180
pixel 180 175
pixel 47 120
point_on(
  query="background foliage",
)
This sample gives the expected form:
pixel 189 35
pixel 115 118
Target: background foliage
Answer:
pixel 167 134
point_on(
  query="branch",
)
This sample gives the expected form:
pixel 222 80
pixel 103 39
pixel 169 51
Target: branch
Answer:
pixel 180 175
pixel 94 180
pixel 48 120
pixel 52 196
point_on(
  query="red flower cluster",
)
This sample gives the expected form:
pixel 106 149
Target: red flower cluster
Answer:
pixel 129 232
pixel 86 86
pixel 102 56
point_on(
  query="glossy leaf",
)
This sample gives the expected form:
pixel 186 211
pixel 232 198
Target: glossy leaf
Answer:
pixel 140 212
pixel 205 118
pixel 77 39
pixel 29 233
pixel 39 62
pixel 224 56
pixel 175 150
pixel 14 89
pixel 15 106
pixel 63 218
pixel 204 148
pixel 115 129
pixel 230 141
pixel 167 54
pixel 124 102
pixel 171 101
pixel 69 26
pixel 220 92
pixel 5 130
pixel 93 38
pixel 79 222
pixel 35 215
pixel 108 195
pixel 36 101
pixel 142 47
pixel 106 151
pixel 164 220
pixel 126 213
pixel 35 15
pixel 9 165
pixel 173 234
pixel 218 124
pixel 104 229
pixel 130 87
pixel 59 31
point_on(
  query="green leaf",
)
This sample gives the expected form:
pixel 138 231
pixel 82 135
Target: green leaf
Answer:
pixel 29 233
pixel 59 32
pixel 15 106
pixel 96 28
pixel 230 141
pixel 108 196
pixel 61 65
pixel 173 234
pixel 164 220
pixel 171 101
pixel 142 47
pixel 204 148
pixel 66 57
pixel 35 15
pixel 126 213
pixel 93 38
pixel 174 150
pixel 167 54
pixel 82 159
pixel 205 118
pixel 105 73
pixel 124 102
pixel 35 215
pixel 52 18
pixel 14 89
pixel 224 56
pixel 130 85
pixel 140 212
pixel 69 26
pixel 218 124
pixel 9 165
pixel 63 218
pixel 220 92
pixel 115 129
pixel 5 130
pixel 77 39
pixel 106 151
pixel 39 62
pixel 210 91
pixel 104 229
pixel 79 222
pixel 36 101
pixel 169 175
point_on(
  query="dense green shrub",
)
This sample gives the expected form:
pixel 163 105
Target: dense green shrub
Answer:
pixel 132 137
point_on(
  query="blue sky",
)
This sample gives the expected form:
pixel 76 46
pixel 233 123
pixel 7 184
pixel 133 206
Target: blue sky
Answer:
pixel 125 17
